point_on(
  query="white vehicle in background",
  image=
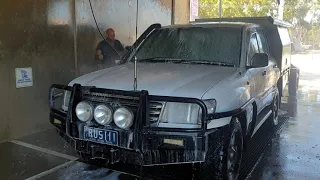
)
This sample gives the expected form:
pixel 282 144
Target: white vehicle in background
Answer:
pixel 202 91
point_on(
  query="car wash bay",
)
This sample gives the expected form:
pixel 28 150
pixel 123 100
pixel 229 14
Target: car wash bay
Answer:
pixel 57 38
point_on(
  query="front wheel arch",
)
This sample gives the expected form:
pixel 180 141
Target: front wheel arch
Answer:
pixel 247 130
pixel 243 122
pixel 253 122
pixel 215 165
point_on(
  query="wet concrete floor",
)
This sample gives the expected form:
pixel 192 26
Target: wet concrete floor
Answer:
pixel 295 152
pixel 292 154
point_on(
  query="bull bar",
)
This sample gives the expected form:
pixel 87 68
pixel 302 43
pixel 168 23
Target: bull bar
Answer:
pixel 143 144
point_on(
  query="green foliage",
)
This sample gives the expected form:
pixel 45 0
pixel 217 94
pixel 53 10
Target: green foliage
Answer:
pixel 312 35
pixel 298 9
pixel 237 8
pixel 295 12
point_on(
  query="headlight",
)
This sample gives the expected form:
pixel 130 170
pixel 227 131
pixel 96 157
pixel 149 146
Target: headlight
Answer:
pixel 103 114
pixel 123 117
pixel 185 114
pixel 66 99
pixel 181 113
pixel 84 111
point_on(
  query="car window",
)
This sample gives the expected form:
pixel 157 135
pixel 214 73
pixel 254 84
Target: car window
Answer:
pixel 214 44
pixel 253 48
pixel 284 36
pixel 263 45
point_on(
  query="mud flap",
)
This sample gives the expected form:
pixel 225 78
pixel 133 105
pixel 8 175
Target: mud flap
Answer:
pixel 293 91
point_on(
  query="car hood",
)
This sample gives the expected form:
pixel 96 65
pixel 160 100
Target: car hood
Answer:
pixel 165 79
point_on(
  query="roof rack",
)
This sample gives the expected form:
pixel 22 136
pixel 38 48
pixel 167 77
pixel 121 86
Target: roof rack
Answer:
pixel 264 21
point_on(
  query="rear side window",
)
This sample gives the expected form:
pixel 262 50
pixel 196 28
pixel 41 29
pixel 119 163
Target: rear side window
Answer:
pixel 284 35
pixel 263 44
pixel 253 48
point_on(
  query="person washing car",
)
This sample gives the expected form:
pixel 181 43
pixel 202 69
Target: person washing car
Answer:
pixel 109 50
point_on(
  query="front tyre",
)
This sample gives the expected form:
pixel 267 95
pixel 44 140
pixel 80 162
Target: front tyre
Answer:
pixel 225 163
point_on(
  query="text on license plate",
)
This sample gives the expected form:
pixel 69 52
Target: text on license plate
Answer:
pixel 101 135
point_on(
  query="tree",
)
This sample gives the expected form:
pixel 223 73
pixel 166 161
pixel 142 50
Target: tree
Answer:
pixel 237 8
pixel 295 12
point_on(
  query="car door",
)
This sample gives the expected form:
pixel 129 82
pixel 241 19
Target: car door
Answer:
pixel 270 70
pixel 258 75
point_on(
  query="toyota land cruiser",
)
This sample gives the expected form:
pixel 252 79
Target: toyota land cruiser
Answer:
pixel 193 93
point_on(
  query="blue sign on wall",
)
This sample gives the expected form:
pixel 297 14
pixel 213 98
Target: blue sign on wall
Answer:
pixel 24 77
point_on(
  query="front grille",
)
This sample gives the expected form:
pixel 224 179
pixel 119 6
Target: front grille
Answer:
pixel 155 111
pixel 128 101
pixel 113 100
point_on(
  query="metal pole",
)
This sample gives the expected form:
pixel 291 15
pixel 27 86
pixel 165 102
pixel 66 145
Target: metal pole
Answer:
pixel 280 9
pixel 313 39
pixel 75 44
pixel 137 15
pixel 135 74
pixel 220 8
pixel 135 58
pixel 173 3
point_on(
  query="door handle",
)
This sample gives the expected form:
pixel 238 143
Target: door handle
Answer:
pixel 264 73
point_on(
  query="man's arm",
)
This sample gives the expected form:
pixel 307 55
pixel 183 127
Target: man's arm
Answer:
pixel 99 54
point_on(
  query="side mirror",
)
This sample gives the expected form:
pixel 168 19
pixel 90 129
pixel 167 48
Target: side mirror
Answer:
pixel 259 60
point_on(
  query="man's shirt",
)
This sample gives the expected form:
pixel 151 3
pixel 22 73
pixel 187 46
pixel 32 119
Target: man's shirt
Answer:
pixel 109 54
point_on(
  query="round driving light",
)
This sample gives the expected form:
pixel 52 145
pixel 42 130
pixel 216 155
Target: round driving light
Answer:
pixel 123 117
pixel 84 111
pixel 103 114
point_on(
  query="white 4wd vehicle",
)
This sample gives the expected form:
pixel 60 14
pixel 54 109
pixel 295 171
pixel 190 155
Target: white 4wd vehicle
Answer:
pixel 203 90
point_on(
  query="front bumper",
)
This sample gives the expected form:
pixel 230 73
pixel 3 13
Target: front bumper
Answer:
pixel 159 149
pixel 143 144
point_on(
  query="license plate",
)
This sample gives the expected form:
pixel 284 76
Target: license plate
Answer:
pixel 101 135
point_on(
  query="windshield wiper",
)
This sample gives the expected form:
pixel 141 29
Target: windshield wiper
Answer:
pixel 209 62
pixel 160 59
pixel 177 60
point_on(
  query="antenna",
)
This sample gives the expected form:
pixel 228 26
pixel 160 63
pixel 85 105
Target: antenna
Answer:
pixel 135 83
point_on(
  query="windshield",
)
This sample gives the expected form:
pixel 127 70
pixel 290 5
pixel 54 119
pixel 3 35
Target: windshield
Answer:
pixel 220 45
